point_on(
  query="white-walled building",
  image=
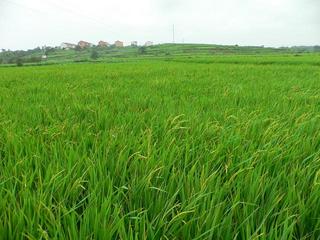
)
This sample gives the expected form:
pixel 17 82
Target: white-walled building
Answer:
pixel 148 44
pixel 67 46
pixel 103 44
pixel 118 43
pixel 84 44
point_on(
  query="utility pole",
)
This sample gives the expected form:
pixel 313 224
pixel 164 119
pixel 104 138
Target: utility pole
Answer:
pixel 173 34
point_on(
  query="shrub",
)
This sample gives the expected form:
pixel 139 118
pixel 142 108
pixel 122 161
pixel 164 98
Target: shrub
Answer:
pixel 19 62
pixel 94 55
pixel 142 50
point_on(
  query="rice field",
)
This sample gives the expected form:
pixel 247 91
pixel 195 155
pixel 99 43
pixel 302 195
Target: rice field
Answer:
pixel 161 149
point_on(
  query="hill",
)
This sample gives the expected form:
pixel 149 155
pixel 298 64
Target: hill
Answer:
pixel 111 54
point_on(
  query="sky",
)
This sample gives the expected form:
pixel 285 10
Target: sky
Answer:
pixel 26 24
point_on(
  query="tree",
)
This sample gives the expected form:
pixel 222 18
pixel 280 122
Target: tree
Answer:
pixel 19 62
pixel 34 59
pixel 48 50
pixel 142 50
pixel 78 48
pixel 94 54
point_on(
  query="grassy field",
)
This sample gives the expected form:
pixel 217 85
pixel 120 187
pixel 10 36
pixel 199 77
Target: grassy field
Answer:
pixel 184 148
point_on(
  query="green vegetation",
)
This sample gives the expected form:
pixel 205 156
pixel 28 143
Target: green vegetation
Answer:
pixel 112 54
pixel 203 147
pixel 142 50
pixel 19 62
pixel 94 55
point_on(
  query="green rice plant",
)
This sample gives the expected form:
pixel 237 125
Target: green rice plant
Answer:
pixel 214 149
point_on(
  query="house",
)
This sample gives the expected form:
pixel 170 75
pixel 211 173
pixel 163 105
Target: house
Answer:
pixel 118 43
pixel 148 44
pixel 67 46
pixel 134 43
pixel 84 44
pixel 103 44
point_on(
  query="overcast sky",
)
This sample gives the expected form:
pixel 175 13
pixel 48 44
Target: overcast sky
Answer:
pixel 30 23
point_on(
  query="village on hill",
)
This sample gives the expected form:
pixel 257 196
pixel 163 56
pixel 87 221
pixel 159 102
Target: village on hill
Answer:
pixel 83 44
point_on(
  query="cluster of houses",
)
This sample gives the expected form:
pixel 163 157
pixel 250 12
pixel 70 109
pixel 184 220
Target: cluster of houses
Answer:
pixel 84 44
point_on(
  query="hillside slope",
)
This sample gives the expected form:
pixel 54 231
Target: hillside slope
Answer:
pixel 56 55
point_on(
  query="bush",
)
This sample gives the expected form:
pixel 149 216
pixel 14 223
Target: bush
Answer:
pixel 34 59
pixel 78 48
pixel 81 60
pixel 19 62
pixel 49 50
pixel 94 54
pixel 142 50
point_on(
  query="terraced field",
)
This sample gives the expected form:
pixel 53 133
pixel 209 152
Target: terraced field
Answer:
pixel 164 51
